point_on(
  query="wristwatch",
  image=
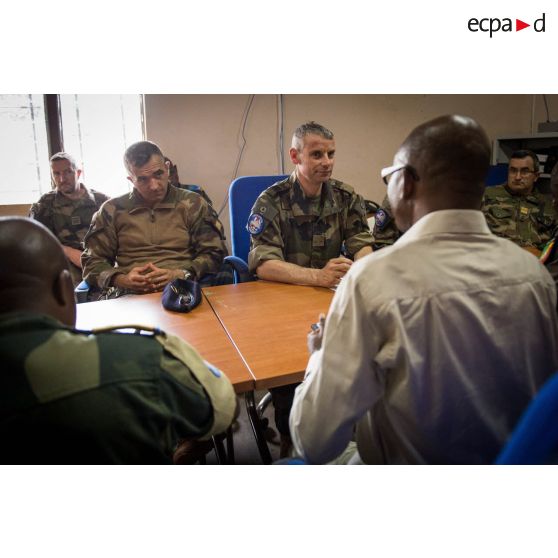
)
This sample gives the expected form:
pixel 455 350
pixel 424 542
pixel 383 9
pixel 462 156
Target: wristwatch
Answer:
pixel 187 274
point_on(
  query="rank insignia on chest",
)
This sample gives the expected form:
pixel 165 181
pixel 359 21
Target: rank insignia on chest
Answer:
pixel 318 240
pixel 381 219
pixel 524 210
pixel 255 224
pixel 76 220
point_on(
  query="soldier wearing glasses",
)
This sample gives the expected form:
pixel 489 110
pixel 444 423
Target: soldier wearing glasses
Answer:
pixel 517 210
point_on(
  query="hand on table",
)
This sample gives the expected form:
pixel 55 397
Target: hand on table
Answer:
pixel 333 271
pixel 147 278
pixel 158 277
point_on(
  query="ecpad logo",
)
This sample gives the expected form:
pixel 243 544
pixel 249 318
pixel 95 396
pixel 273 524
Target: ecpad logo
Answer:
pixel 494 24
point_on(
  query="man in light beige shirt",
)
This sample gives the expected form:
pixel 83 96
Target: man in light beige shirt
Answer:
pixel 435 362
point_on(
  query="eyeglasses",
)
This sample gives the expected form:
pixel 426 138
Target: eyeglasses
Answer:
pixel 388 171
pixel 522 172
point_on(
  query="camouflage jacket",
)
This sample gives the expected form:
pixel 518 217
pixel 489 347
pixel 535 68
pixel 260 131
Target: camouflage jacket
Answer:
pixel 285 225
pixel 197 189
pixel 75 397
pixel 68 219
pixel 181 232
pixel 385 230
pixel 526 220
pixel 549 256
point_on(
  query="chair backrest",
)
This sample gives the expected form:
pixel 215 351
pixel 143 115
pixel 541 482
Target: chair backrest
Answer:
pixel 497 174
pixel 243 192
pixel 535 437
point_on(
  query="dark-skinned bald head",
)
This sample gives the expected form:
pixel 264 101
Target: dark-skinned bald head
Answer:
pixel 450 153
pixel 33 268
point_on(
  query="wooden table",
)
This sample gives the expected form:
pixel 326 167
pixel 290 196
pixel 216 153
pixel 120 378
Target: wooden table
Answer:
pixel 200 328
pixel 268 323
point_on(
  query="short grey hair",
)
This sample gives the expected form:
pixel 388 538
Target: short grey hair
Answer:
pixel 309 128
pixel 63 156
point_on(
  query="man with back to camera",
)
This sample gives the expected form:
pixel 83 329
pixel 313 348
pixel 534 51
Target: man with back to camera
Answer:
pixel 435 362
pixel 518 210
pixel 78 397
pixel 68 209
pixel 141 241
pixel 300 227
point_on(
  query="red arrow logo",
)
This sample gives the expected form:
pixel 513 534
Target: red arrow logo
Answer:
pixel 519 25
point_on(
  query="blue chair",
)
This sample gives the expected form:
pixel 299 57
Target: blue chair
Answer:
pixel 497 174
pixel 535 437
pixel 243 192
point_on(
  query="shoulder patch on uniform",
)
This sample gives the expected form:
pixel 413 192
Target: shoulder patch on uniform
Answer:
pixel 255 223
pixel 381 219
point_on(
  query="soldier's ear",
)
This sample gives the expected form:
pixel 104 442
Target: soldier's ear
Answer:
pixel 408 190
pixel 293 152
pixel 63 293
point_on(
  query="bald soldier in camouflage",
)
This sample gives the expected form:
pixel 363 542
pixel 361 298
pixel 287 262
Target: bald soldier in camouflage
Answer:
pixel 67 210
pixel 301 227
pixel 71 396
pixel 141 241
pixel 517 210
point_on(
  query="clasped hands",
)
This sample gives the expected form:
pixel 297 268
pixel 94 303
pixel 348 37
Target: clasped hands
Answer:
pixel 147 278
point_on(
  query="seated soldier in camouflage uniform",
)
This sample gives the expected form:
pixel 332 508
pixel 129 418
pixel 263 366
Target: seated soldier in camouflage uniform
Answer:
pixel 517 210
pixel 73 396
pixel 67 210
pixel 549 255
pixel 141 241
pixel 301 227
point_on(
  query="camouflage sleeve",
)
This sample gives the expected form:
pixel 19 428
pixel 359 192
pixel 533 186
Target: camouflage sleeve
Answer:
pixel 357 233
pixel 385 230
pixel 183 363
pixel 204 195
pixel 207 239
pixel 196 189
pixel 101 245
pixel 42 211
pixel 266 240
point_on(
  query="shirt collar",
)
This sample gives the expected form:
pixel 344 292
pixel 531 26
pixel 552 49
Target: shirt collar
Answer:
pixel 298 199
pixel 452 221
